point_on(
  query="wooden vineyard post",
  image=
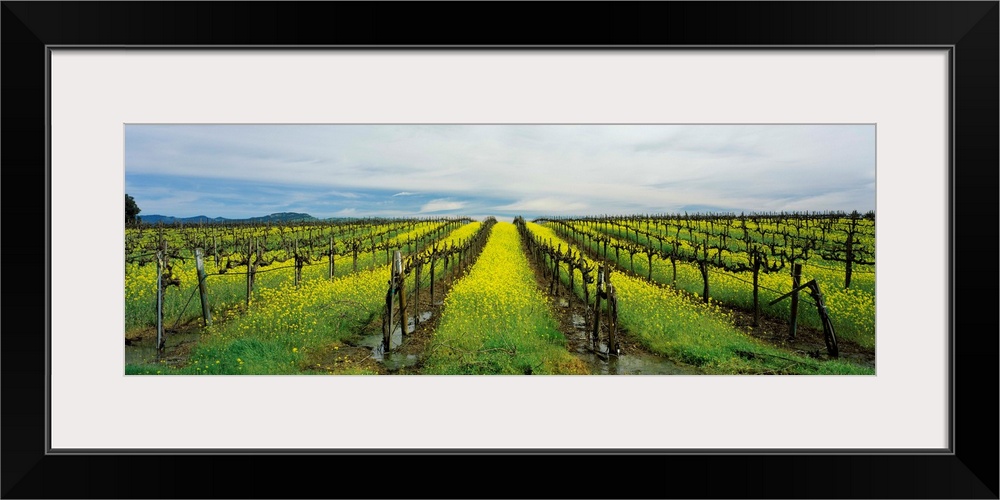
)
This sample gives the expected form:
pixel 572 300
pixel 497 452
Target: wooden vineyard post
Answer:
pixel 612 320
pixel 703 266
pixel 554 284
pixel 793 322
pixel 159 304
pixel 756 289
pixel 569 265
pixel 395 286
pixel 332 268
pixel 828 332
pixel 249 272
pixel 850 255
pixel 433 261
pixel 298 264
pixel 206 312
pixel 402 295
pixel 597 306
pixel 416 293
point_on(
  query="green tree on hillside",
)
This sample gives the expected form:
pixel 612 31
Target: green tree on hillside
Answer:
pixel 131 210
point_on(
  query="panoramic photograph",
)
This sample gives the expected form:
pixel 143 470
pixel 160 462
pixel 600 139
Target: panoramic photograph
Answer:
pixel 507 249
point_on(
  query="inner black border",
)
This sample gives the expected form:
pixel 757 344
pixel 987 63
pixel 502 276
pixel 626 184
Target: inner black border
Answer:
pixel 971 28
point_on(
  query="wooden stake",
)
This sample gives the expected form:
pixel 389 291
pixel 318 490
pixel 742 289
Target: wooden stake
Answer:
pixel 298 263
pixel 793 322
pixel 249 272
pixel 416 295
pixel 433 261
pixel 402 303
pixel 756 289
pixel 399 279
pixel 159 304
pixel 612 324
pixel 597 307
pixel 332 265
pixel 703 267
pixel 206 312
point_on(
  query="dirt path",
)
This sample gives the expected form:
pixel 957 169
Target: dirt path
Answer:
pixel 362 353
pixel 575 318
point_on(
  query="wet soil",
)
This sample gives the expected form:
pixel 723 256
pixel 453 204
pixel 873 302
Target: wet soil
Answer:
pixel 364 353
pixel 140 345
pixel 576 323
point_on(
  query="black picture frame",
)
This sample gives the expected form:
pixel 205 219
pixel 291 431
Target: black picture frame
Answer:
pixel 969 470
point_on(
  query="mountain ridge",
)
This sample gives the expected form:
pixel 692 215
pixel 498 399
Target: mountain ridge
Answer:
pixel 204 219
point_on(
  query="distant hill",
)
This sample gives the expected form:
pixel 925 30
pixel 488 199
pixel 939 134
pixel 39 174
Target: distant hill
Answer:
pixel 204 219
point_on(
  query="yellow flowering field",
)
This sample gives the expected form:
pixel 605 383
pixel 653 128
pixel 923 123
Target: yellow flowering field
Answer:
pixel 496 321
pixel 670 323
pixel 227 289
pixel 285 324
pixel 852 310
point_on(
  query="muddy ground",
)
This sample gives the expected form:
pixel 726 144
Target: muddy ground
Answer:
pixel 576 321
pixel 361 353
pixel 140 345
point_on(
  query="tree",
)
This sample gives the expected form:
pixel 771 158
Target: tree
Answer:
pixel 131 210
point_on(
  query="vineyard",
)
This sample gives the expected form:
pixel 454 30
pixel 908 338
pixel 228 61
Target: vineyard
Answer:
pixel 652 294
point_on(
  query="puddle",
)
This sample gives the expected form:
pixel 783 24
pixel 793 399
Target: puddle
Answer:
pixel 393 362
pixel 144 351
pixel 626 364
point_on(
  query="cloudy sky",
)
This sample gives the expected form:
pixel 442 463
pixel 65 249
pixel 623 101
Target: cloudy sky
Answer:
pixel 237 171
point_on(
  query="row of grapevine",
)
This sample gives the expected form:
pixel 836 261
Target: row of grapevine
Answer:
pixel 665 321
pixel 847 239
pixel 745 270
pixel 148 302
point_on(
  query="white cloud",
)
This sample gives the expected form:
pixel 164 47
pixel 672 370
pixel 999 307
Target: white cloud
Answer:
pixel 441 205
pixel 548 168
pixel 343 194
pixel 547 206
